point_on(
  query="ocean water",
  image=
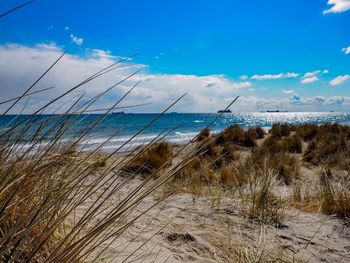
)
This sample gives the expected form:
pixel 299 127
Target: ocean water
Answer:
pixel 178 127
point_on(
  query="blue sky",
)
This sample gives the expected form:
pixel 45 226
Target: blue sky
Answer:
pixel 293 53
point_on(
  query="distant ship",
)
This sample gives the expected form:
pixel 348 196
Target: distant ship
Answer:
pixel 118 112
pixel 225 111
pixel 275 111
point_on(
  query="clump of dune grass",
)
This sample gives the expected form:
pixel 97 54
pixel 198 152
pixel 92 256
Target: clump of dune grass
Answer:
pixel 270 146
pixel 151 160
pixel 216 155
pixel 261 204
pixel 255 133
pixel 196 177
pixel 254 184
pixel 329 147
pixel 237 135
pixel 330 196
pixel 217 151
pixel 234 175
pixel 286 167
pixel 32 193
pixel 215 163
pixel 228 142
pixel 237 247
pixel 221 154
pixel 211 179
pixel 279 130
pixel 335 128
pixel 304 198
pixel 204 134
pixel 275 153
pixel 250 137
pixel 307 131
pixel 260 133
pixel 272 155
pixel 334 196
pixel 232 134
pixel 292 144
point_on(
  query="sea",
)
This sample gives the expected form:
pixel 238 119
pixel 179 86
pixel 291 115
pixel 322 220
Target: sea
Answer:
pixel 123 132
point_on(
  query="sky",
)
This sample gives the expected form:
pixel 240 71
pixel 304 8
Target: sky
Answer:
pixel 289 55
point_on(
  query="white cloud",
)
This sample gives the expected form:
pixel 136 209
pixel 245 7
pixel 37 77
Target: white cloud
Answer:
pixel 308 77
pixel 288 91
pixel 78 41
pixel 243 77
pixel 338 6
pixel 52 45
pixel 311 74
pixel 311 77
pixel 15 77
pixel 294 103
pixel 310 80
pixel 205 93
pixel 339 80
pixel 103 54
pixel 275 76
pixel 334 101
pixel 346 50
pixel 159 56
pixel 66 28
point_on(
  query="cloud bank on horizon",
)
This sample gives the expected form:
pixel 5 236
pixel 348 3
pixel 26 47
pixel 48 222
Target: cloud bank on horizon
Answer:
pixel 205 93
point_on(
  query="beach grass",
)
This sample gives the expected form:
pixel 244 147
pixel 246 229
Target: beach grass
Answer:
pixel 233 164
pixel 52 191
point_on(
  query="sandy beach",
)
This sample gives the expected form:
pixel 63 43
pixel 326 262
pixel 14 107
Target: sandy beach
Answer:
pixel 212 222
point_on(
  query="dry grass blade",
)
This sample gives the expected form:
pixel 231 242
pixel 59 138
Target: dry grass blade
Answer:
pixel 26 95
pixel 117 108
pixel 16 8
